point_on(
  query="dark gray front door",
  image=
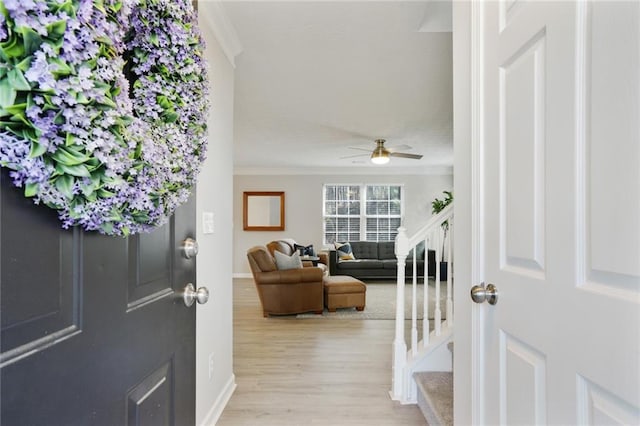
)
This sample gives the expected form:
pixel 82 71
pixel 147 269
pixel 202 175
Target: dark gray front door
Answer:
pixel 94 331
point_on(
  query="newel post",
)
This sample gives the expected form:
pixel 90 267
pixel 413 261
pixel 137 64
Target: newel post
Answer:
pixel 399 344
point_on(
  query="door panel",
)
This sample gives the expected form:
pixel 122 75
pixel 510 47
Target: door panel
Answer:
pixel 42 307
pixel 522 83
pixel 600 407
pixel 523 390
pixel 150 266
pixel 149 402
pixel 561 212
pixel 94 330
pixel 608 147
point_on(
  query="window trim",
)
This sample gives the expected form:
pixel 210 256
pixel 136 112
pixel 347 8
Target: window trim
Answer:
pixel 363 209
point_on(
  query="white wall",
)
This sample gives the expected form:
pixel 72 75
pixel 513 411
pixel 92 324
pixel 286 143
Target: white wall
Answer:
pixel 214 324
pixel 303 206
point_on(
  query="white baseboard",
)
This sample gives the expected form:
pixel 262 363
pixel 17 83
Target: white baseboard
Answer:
pixel 221 401
pixel 242 275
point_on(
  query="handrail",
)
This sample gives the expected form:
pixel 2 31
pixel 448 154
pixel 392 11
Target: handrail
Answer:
pixel 434 221
pixel 432 235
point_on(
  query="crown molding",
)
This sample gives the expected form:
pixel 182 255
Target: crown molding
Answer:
pixel 212 15
pixel 344 171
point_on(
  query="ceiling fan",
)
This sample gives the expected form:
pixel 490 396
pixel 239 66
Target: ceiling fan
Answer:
pixel 381 154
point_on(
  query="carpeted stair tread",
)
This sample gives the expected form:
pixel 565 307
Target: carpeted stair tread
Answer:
pixel 435 396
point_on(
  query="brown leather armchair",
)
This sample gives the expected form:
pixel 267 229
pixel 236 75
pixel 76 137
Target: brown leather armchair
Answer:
pixel 290 291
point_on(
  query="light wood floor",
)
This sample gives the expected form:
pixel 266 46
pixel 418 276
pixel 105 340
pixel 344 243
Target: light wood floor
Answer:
pixel 313 371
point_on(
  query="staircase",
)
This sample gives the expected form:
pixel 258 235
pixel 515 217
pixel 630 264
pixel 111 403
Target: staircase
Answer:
pixel 435 396
pixel 422 358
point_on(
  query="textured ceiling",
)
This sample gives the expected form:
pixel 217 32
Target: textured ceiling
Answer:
pixel 316 78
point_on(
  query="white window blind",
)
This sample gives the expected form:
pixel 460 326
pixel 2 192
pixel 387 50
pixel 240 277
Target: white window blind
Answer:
pixel 341 213
pixel 345 219
pixel 383 212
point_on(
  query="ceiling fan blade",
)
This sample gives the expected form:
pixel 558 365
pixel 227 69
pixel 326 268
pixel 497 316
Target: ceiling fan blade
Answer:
pixel 359 149
pixel 405 155
pixel 354 156
pixel 396 148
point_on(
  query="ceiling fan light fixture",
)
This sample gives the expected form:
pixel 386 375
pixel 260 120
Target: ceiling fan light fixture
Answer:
pixel 380 155
pixel 382 158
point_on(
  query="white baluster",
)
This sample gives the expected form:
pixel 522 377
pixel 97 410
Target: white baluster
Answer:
pixel 425 288
pixel 399 344
pixel 414 306
pixel 437 312
pixel 449 276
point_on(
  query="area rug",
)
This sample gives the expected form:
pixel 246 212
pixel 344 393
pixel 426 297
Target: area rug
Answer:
pixel 381 303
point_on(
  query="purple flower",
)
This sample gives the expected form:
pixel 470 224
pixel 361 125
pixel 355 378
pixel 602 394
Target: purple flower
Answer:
pixel 86 109
pixel 41 72
pixel 3 28
pixel 29 13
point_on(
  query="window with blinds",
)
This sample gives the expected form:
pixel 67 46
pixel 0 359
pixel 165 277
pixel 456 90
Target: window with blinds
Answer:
pixel 383 213
pixel 341 213
pixel 345 219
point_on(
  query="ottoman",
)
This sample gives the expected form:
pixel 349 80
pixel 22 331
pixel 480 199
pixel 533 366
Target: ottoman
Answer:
pixel 343 291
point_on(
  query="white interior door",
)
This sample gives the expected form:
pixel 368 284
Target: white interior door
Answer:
pixel 560 215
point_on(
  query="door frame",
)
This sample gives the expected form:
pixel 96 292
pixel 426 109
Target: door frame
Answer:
pixel 468 210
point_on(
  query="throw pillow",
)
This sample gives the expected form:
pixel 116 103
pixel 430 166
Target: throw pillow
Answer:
pixel 344 251
pixel 305 250
pixel 284 262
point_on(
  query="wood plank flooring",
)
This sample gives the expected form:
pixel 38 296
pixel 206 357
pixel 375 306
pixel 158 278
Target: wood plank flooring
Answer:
pixel 311 371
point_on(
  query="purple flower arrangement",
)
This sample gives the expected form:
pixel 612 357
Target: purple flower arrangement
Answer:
pixel 112 153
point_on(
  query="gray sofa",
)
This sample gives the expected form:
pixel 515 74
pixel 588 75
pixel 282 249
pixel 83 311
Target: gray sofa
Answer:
pixel 377 260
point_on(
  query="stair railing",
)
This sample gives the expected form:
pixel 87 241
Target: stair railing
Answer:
pixel 433 235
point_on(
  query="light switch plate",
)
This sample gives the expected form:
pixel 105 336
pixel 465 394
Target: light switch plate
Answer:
pixel 208 223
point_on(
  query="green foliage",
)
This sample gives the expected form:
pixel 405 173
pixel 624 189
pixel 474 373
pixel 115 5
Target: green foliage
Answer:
pixel 79 172
pixel 438 205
